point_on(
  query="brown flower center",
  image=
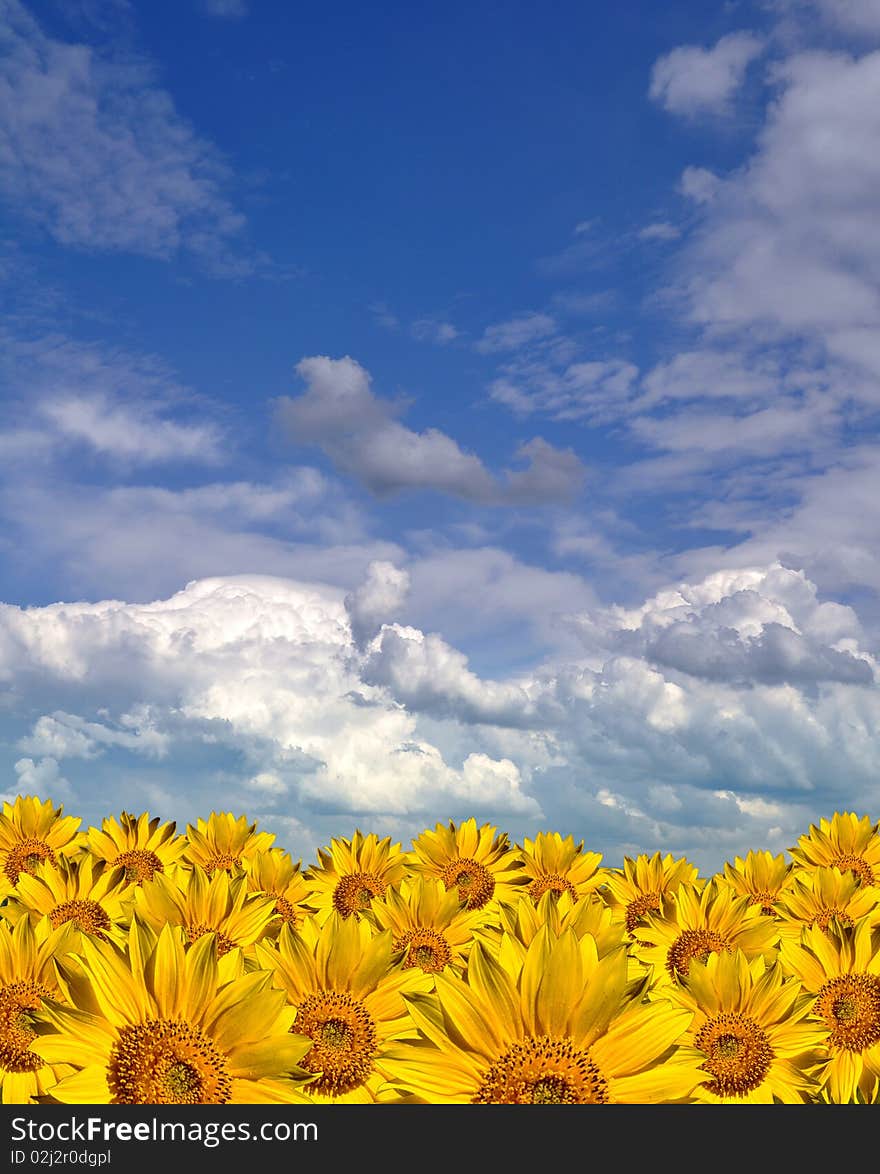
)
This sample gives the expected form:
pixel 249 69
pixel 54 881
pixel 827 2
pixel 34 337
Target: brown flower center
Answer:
pixel 543 1071
pixel 226 860
pixel 426 948
pixel 738 1051
pixel 551 882
pixel 140 865
pixel 88 916
pixel 354 893
pixel 167 1062
pixel 25 856
pixel 344 1040
pixel 849 862
pixel 694 943
pixel 16 1033
pixel 850 1007
pixel 286 910
pixel 637 909
pixel 473 880
pixel 199 929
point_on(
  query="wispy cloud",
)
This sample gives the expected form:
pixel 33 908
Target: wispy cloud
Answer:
pixel 691 80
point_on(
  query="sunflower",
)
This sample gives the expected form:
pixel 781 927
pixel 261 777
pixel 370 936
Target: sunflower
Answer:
pixel 553 1026
pixel 523 921
pixel 639 887
pixel 846 842
pixel 90 893
pixel 275 874
pixel 349 874
pixel 428 923
pixel 345 985
pixel 142 846
pixel 224 842
pixel 693 923
pixel 761 877
pixel 33 830
pixel 818 896
pixel 206 903
pixel 479 863
pixel 560 866
pixel 28 974
pixel 155 1023
pixel 750 1032
pixel 840 967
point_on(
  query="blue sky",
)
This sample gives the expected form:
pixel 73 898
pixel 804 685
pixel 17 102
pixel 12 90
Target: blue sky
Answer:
pixel 452 411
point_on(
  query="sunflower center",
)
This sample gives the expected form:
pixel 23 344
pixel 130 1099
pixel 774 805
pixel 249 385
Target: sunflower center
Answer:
pixel 228 861
pixel 639 907
pixel 167 1062
pixel 286 910
pixel 826 914
pixel 551 882
pixel 16 1033
pixel 344 1040
pixel 765 899
pixel 473 880
pixel 739 1053
pixel 88 916
pixel 354 893
pixel 694 943
pixel 199 929
pixel 849 862
pixel 543 1071
pixel 426 948
pixel 850 1007
pixel 140 865
pixel 26 856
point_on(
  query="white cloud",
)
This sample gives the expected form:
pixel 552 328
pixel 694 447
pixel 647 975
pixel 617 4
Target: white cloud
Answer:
pixel 358 431
pixel 593 390
pixel 515 333
pixel 849 16
pixel 662 230
pixel 433 330
pixel 377 599
pixel 39 778
pixel 691 80
pixel 699 184
pixel 94 151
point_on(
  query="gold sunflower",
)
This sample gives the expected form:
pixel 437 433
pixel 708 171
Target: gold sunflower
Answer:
pixel 819 896
pixel 28 974
pixel 349 874
pixel 95 897
pixel 554 1026
pixel 140 845
pixel 694 923
pixel 33 830
pixel 275 874
pixel 428 923
pixel 638 888
pixel 840 968
pixel 167 1025
pixel 345 985
pixel 846 841
pixel 224 842
pixel 521 923
pixel 761 877
pixel 206 903
pixel 750 1032
pixel 479 863
pixel 558 865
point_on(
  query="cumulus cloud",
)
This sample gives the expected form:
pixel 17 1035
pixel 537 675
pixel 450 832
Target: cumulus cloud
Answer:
pixel 691 80
pixel 93 151
pixel 375 600
pixel 699 184
pixel 359 432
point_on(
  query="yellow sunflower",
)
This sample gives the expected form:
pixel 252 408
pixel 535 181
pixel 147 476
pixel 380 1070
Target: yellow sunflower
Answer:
pixel 639 886
pixel 479 863
pixel 224 842
pixel 554 1026
pixel 846 841
pixel 140 845
pixel 749 1031
pixel 585 915
pixel 558 865
pixel 428 923
pixel 693 923
pixel 33 830
pixel 206 903
pixel 840 967
pixel 346 986
pixel 761 877
pixel 156 1023
pixel 87 892
pixel 28 974
pixel 349 874
pixel 275 874
pixel 819 895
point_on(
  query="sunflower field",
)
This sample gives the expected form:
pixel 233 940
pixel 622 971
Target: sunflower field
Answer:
pixel 145 966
